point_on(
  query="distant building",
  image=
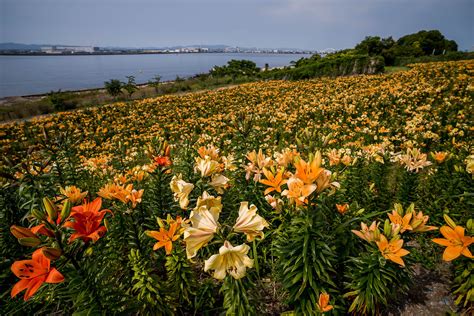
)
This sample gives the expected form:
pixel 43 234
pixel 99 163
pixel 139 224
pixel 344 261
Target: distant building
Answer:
pixel 68 49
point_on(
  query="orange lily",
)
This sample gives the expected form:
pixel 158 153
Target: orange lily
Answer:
pixel 73 193
pixel 298 191
pixel 440 156
pixel 273 181
pixel 323 303
pixel 418 223
pixel 33 273
pixel 368 233
pixel 87 220
pixel 162 161
pixel 404 221
pixel 392 250
pixel 308 172
pixel 165 237
pixel 342 208
pixel 455 241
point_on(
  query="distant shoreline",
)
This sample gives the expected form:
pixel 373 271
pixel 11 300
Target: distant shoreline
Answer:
pixel 145 53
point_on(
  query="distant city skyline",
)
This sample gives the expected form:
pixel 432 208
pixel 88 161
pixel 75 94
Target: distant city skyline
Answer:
pixel 300 24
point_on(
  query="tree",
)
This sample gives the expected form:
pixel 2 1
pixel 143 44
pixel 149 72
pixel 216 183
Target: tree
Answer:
pixel 130 86
pixel 155 83
pixel 236 68
pixel 113 87
pixel 429 42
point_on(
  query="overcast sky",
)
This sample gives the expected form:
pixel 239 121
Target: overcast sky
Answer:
pixel 308 24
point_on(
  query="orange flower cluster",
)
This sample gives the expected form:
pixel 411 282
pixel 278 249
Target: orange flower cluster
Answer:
pixel 398 224
pixel 308 177
pixel 122 193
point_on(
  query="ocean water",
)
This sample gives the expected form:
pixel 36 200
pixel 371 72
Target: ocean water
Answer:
pixel 25 75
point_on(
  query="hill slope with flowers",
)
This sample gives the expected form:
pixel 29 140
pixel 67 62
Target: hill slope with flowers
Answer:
pixel 316 196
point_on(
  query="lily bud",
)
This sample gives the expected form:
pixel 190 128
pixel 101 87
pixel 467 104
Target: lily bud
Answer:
pixel 449 221
pixel 29 241
pixel 50 209
pixel 326 139
pixel 39 215
pixel 21 232
pixel 398 207
pixel 66 210
pixel 160 222
pixel 411 208
pixel 416 223
pixel 387 228
pixel 469 225
pixel 106 224
pixel 376 234
pixel 52 253
pixel 89 251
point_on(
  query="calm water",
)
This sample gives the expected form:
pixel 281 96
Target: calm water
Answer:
pixel 24 75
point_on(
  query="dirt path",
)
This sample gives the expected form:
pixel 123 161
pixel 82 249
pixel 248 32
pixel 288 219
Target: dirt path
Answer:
pixel 429 295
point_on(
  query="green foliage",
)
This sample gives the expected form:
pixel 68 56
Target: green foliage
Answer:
pixel 430 42
pixel 113 87
pixel 155 83
pixel 147 287
pixel 464 283
pixel 339 64
pixel 373 281
pixel 130 86
pixel 236 298
pixel 180 277
pixel 306 261
pixel 423 43
pixel 235 68
pixel 62 101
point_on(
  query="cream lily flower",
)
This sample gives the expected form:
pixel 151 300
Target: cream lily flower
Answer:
pixel 249 222
pixel 206 166
pixel 204 225
pixel 219 183
pixel 181 190
pixel 232 260
pixel 207 202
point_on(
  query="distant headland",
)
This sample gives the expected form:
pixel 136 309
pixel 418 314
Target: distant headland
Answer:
pixel 51 50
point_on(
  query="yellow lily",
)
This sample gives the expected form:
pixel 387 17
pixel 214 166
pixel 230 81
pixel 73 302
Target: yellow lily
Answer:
pixel 232 260
pixel 219 183
pixel 204 226
pixel 206 166
pixel 181 190
pixel 249 222
pixel 208 202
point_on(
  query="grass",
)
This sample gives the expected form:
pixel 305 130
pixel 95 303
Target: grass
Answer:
pixel 392 69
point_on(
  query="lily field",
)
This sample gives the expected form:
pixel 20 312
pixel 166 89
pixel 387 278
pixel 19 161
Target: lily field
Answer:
pixel 323 196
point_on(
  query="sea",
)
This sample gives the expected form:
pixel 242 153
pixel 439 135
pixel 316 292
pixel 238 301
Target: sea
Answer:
pixel 29 75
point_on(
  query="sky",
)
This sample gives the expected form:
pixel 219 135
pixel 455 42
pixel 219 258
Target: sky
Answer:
pixel 304 24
